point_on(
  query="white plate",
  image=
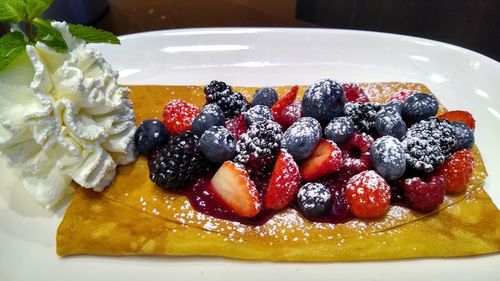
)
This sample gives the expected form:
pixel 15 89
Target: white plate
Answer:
pixel 461 78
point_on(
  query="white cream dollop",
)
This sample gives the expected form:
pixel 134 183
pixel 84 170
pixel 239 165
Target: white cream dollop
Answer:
pixel 72 121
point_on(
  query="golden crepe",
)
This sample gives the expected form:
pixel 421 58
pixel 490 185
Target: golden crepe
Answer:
pixel 135 217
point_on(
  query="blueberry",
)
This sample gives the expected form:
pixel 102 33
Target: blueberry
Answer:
pixel 301 138
pixel 313 199
pixel 257 113
pixel 388 157
pixel 265 96
pixel 419 107
pixel 339 129
pixel 324 100
pixel 464 137
pixel 218 144
pixel 210 115
pixel 150 135
pixel 395 105
pixel 389 122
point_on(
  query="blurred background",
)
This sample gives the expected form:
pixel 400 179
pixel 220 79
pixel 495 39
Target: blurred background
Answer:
pixel 473 24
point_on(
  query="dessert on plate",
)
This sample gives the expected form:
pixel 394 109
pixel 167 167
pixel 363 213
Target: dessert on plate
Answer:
pixel 324 172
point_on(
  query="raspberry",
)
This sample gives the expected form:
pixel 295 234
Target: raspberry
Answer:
pixel 178 116
pixel 178 163
pixel 424 196
pixel 457 170
pixel 232 104
pixel 354 93
pixel 258 147
pixel 362 114
pixel 368 195
pixel 460 116
pixel 428 144
pixel 356 153
pixel 402 96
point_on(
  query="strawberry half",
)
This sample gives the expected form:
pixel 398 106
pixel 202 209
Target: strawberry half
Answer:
pixel 234 187
pixel 284 183
pixel 287 100
pixel 325 159
pixel 460 116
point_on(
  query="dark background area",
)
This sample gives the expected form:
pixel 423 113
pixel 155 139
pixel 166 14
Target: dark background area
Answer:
pixel 473 24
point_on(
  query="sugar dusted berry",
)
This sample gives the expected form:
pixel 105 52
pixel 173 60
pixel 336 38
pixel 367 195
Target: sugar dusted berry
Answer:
pixel 324 100
pixel 362 114
pixel 368 195
pixel 464 136
pixel 394 105
pixel 339 129
pixel 428 144
pixel 290 115
pixel 313 199
pixel 424 196
pixel 302 137
pixel 236 126
pixel 258 147
pixel 218 144
pixel 265 96
pixel 354 93
pixel 457 170
pixel 420 106
pixel 178 116
pixel 287 100
pixel 389 122
pixel 388 157
pixel 356 153
pixel 150 134
pixel 210 115
pixel 257 113
pixel 401 96
pixel 284 183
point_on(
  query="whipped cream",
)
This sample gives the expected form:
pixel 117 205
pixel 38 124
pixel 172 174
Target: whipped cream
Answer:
pixel 66 120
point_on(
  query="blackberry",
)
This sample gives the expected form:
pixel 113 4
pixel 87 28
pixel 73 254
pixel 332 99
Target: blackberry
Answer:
pixel 428 144
pixel 362 114
pixel 178 163
pixel 259 146
pixel 231 103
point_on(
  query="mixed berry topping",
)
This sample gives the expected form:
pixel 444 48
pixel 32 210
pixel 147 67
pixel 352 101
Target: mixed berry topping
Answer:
pixel 178 163
pixel 231 103
pixel 362 115
pixel 332 156
pixel 428 144
pixel 258 147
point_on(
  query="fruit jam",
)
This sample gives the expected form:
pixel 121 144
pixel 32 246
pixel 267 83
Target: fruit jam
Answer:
pixel 204 200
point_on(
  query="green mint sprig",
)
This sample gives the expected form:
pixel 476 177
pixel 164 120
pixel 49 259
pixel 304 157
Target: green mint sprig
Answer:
pixel 37 29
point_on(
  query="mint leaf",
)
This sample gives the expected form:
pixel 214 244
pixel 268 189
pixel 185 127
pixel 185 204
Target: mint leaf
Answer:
pixel 49 35
pixel 12 11
pixel 93 35
pixel 36 7
pixel 11 46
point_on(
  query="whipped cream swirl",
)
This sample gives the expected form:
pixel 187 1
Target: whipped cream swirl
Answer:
pixel 72 121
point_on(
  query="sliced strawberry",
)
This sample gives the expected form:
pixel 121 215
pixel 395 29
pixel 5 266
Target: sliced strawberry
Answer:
pixel 234 187
pixel 353 93
pixel 236 126
pixel 325 159
pixel 285 101
pixel 284 183
pixel 178 116
pixel 460 116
